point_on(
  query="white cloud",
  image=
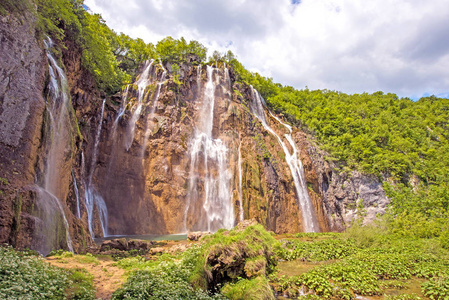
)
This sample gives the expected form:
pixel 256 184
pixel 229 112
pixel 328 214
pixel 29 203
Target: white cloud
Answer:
pixel 399 46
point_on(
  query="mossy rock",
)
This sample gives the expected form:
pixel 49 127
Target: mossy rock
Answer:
pixel 232 255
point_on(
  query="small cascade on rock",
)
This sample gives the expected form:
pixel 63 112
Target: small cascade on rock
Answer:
pixel 294 163
pixel 240 184
pixel 51 212
pixel 52 229
pixel 209 201
pixel 153 109
pixel 120 112
pixel 93 198
pixel 227 79
pixel 77 195
pixel 141 83
pixel 199 72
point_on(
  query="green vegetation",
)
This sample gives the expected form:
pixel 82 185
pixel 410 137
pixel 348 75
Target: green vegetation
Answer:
pixel 166 279
pixel 243 264
pixel 404 143
pixel 361 262
pixel 170 49
pixel 231 263
pixel 25 275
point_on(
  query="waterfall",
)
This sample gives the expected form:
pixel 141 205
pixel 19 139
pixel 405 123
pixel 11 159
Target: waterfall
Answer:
pixel 51 212
pixel 294 163
pixel 153 109
pixel 141 83
pixel 198 79
pixel 227 79
pixel 208 166
pixel 240 183
pixel 49 208
pixel 120 112
pixel 93 198
pixel 77 195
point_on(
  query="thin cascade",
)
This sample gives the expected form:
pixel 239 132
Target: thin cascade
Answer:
pixel 93 198
pixel 294 163
pixel 153 107
pixel 141 83
pixel 49 197
pixel 199 71
pixel 77 195
pixel 208 165
pixel 227 79
pixel 240 183
pixel 120 112
pixel 83 165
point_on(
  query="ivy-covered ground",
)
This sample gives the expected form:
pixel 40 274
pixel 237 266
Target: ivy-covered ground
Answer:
pixel 244 263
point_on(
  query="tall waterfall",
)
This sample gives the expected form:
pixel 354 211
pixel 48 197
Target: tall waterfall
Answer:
pixel 93 198
pixel 294 163
pixel 52 228
pixel 209 197
pixel 142 83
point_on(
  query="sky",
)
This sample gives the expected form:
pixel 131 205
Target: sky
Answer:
pixel 352 46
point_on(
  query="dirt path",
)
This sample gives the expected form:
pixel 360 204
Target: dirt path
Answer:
pixel 107 278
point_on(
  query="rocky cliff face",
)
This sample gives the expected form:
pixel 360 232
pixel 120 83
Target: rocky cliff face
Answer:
pixel 171 153
pixel 148 187
pixel 22 78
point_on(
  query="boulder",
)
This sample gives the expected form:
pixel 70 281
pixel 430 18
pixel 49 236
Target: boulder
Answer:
pixel 118 244
pixel 197 235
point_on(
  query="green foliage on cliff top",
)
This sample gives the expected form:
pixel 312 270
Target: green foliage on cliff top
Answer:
pixel 111 58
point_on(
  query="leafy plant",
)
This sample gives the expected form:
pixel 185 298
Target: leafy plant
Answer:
pixel 25 275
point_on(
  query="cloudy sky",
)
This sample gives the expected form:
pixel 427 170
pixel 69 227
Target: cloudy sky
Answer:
pixel 353 46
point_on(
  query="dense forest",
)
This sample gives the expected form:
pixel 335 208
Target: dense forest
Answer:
pixel 404 143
